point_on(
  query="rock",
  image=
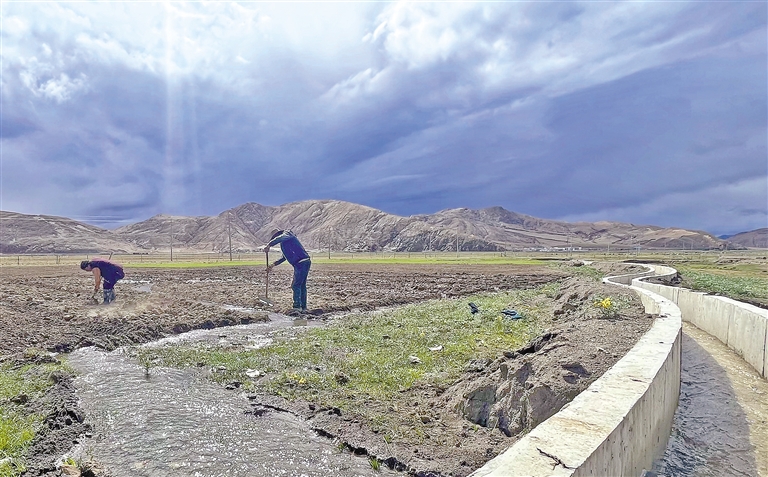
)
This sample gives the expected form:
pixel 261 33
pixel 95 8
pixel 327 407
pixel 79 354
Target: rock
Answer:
pixel 477 406
pixel 414 359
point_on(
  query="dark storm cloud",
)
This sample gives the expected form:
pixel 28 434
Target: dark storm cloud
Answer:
pixel 561 110
pixel 653 131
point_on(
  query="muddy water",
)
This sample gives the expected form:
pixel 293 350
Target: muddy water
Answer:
pixel 177 423
pixel 721 424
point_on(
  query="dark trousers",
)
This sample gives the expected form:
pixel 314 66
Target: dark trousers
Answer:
pixel 109 292
pixel 299 285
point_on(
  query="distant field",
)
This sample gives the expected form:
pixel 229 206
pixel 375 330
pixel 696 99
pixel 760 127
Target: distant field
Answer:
pixel 752 263
pixel 743 280
pixel 740 261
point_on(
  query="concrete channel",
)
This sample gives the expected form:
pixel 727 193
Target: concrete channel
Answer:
pixel 621 424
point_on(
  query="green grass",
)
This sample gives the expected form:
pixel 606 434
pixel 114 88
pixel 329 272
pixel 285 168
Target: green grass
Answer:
pixel 17 427
pixel 742 283
pixel 364 358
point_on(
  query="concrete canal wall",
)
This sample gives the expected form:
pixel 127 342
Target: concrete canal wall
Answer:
pixel 740 326
pixel 619 424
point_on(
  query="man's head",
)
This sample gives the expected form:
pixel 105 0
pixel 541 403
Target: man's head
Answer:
pixel 85 265
pixel 274 233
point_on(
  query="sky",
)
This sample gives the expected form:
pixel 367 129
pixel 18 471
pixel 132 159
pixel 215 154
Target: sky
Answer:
pixel 642 112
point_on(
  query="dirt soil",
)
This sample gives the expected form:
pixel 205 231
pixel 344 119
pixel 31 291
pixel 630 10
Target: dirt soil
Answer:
pixel 479 416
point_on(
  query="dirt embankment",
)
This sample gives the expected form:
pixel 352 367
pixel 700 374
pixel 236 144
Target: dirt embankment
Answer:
pixel 470 422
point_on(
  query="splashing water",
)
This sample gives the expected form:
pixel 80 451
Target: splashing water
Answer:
pixel 721 424
pixel 177 423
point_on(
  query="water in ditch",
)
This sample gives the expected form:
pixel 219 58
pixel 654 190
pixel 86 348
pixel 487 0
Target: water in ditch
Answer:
pixel 177 423
pixel 721 423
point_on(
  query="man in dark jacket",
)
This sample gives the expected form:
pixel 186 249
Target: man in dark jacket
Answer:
pixel 295 254
pixel 110 272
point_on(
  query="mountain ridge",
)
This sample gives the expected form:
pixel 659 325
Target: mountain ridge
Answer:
pixel 340 225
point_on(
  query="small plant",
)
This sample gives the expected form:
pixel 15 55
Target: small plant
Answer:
pixel 146 360
pixel 375 464
pixel 607 307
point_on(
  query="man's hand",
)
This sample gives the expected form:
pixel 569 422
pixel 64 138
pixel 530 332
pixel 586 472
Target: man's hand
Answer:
pixel 266 249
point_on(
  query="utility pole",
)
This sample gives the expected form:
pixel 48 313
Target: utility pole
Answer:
pixel 330 234
pixel 229 231
pixel 171 239
pixel 457 241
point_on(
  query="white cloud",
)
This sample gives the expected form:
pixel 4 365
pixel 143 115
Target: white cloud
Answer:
pixel 515 45
pixel 59 89
pixel 360 84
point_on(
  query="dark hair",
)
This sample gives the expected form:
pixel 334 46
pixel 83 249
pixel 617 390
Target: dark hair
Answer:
pixel 84 264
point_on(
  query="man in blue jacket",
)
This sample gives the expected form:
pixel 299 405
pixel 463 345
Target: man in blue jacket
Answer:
pixel 105 270
pixel 295 254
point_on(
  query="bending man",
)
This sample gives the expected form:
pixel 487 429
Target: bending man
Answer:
pixel 104 269
pixel 295 254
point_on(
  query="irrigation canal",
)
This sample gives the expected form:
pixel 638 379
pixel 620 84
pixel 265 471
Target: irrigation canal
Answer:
pixel 177 423
pixel 721 423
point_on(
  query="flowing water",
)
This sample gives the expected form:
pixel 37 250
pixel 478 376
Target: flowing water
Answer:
pixel 721 423
pixel 177 423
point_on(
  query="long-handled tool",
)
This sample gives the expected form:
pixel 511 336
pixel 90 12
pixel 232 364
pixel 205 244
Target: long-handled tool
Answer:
pixel 265 298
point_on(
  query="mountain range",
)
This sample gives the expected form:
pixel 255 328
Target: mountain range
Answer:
pixel 345 226
pixel 752 239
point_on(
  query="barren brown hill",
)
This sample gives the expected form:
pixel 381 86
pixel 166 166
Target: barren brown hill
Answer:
pixel 752 239
pixel 341 226
pixel 500 225
pixel 20 233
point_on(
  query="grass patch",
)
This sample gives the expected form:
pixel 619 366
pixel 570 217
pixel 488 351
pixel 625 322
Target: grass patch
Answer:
pixel 366 362
pixel 17 426
pixel 739 283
